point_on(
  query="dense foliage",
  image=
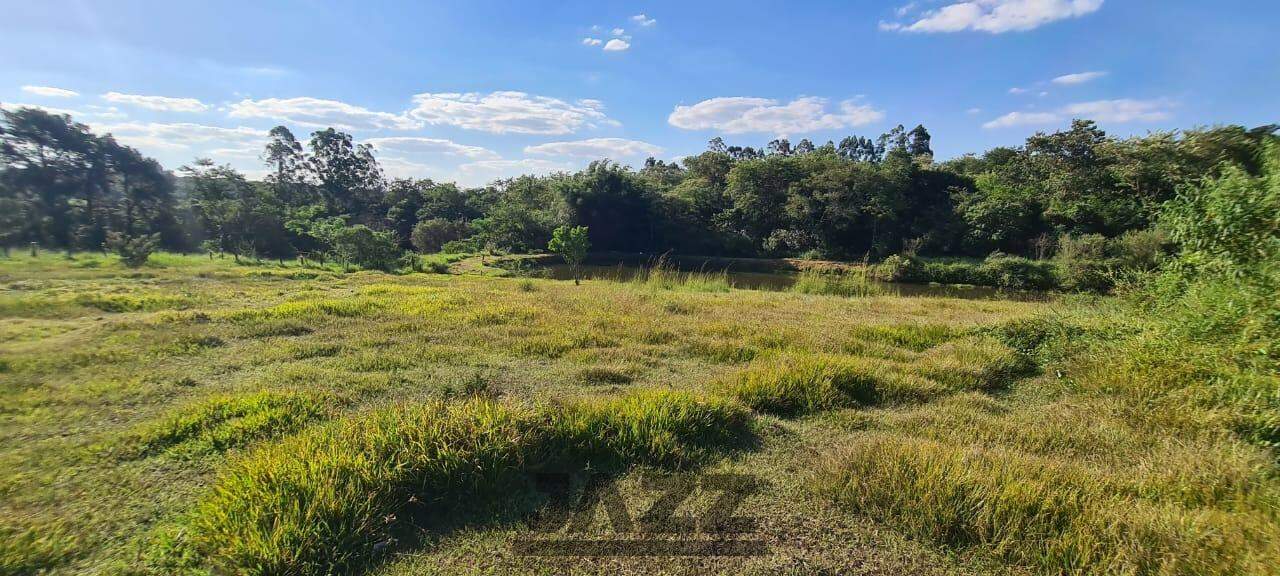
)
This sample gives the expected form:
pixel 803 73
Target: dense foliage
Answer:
pixel 1078 196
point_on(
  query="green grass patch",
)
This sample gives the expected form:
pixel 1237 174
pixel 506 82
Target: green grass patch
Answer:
pixel 322 501
pixel 1037 512
pixel 798 383
pixel 231 421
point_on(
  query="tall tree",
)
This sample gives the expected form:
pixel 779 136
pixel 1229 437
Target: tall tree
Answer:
pixel 350 180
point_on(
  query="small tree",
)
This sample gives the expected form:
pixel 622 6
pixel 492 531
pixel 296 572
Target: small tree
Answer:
pixel 429 236
pixel 133 250
pixel 572 244
pixel 367 248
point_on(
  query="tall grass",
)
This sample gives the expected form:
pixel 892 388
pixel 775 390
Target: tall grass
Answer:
pixel 231 421
pixel 665 276
pixel 848 284
pixel 326 499
pixel 1039 512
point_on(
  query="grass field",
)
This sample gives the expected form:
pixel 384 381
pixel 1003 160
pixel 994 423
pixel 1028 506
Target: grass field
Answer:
pixel 197 415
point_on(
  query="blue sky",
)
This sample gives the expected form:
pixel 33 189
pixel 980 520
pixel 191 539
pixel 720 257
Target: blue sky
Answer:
pixel 474 90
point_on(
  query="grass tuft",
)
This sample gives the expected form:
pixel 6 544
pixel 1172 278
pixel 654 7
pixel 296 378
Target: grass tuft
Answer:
pixel 1037 512
pixel 829 284
pixel 232 421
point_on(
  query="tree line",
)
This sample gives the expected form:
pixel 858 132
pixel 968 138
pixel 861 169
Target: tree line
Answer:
pixel 64 187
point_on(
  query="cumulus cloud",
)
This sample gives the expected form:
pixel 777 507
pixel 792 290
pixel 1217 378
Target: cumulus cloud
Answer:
pixel 1118 111
pixel 617 45
pixel 161 103
pixel 735 115
pixel 50 91
pixel 1078 78
pixel 592 41
pixel 182 136
pixel 414 145
pixel 596 148
pixel 1017 90
pixel 508 112
pixel 618 32
pixel 321 113
pixel 643 20
pixel 994 16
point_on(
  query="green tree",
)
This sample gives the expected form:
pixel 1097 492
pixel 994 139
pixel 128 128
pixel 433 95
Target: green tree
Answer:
pixel 571 243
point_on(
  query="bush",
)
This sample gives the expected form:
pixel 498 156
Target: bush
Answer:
pixel 464 246
pixel 430 236
pixel 1086 275
pixel 1017 273
pixel 900 268
pixel 1140 249
pixel 133 250
pixel 1083 247
pixel 367 248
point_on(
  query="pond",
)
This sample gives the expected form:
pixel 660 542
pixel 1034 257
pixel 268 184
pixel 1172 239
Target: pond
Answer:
pixel 781 281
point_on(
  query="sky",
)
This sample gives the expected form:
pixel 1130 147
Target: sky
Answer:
pixel 471 91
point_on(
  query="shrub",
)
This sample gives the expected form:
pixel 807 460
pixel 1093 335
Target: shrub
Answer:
pixel 464 246
pixel 1082 247
pixel 430 236
pixel 1086 275
pixel 133 250
pixel 1017 273
pixel 900 268
pixel 367 248
pixel 1140 249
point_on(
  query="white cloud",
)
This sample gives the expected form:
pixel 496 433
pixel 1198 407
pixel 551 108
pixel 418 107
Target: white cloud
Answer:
pixel 49 109
pixel 1118 111
pixel 618 32
pixel 592 42
pixel 596 148
pixel 402 168
pixel 735 115
pixel 643 20
pixel 485 171
pixel 182 136
pixel 1122 110
pixel 1022 119
pixel 321 113
pixel 995 16
pixel 973 111
pixel 1078 78
pixel 1017 90
pixel 508 112
pixel 414 145
pixel 616 45
pixel 161 103
pixel 50 91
